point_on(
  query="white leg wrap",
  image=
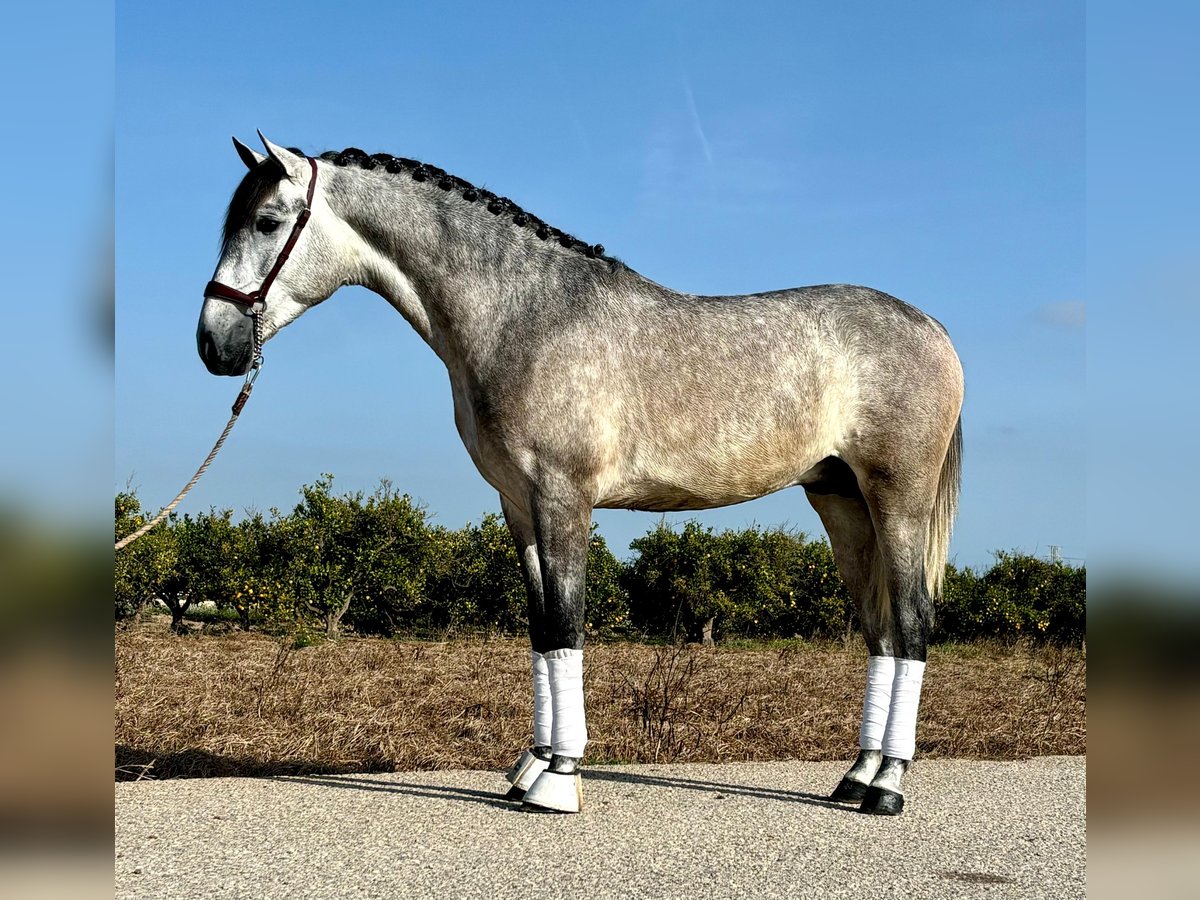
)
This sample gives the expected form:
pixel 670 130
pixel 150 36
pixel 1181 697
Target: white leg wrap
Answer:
pixel 543 713
pixel 566 692
pixel 900 739
pixel 876 702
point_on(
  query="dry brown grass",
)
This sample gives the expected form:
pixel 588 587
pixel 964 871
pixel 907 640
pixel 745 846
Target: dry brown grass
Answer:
pixel 247 704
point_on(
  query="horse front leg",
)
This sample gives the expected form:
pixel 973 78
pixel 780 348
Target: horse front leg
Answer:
pixel 536 758
pixel 562 521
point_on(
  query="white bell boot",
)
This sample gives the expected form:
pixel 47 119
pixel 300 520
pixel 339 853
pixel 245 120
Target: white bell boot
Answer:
pixel 525 770
pixel 558 789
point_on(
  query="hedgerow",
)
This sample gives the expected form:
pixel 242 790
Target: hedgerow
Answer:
pixel 376 564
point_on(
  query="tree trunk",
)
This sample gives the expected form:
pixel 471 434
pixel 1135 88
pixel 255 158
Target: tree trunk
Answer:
pixel 177 609
pixel 708 630
pixel 333 618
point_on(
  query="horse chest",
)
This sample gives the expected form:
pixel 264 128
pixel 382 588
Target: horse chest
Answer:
pixel 486 446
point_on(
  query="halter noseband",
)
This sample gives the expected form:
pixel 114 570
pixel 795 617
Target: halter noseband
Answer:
pixel 225 292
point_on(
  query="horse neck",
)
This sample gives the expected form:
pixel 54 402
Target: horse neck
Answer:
pixel 454 272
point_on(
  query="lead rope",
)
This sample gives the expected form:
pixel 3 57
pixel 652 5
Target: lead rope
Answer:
pixel 238 405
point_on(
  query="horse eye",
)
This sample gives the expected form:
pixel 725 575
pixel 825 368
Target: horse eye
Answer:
pixel 266 225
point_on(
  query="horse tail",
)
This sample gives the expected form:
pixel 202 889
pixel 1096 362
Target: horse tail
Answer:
pixel 941 520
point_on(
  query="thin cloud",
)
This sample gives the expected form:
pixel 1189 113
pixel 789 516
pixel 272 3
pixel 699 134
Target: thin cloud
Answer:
pixel 703 138
pixel 1064 313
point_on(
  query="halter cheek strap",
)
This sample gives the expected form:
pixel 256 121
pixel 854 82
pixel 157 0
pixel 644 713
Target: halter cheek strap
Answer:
pixel 225 292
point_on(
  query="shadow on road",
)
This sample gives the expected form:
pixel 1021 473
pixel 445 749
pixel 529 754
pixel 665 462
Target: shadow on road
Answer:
pixel 441 792
pixel 425 791
pixel 715 787
pixel 137 764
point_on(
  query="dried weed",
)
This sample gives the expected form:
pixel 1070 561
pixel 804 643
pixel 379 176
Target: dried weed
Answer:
pixel 245 704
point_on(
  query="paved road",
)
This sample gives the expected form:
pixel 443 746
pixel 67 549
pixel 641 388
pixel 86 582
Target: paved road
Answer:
pixel 972 829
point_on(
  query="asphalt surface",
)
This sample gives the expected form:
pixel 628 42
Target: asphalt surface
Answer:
pixel 970 829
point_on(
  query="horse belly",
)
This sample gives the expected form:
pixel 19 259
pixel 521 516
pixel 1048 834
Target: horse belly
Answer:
pixel 704 477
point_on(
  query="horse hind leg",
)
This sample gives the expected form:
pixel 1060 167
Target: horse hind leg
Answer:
pixel 901 604
pixel 847 520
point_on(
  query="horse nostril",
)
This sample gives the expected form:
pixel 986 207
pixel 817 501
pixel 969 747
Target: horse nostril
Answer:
pixel 208 351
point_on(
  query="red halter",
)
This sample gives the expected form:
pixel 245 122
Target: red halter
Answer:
pixel 225 292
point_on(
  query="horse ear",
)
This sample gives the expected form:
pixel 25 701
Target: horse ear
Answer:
pixel 292 163
pixel 250 157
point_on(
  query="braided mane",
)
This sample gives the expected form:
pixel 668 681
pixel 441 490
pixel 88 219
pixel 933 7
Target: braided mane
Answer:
pixel 496 205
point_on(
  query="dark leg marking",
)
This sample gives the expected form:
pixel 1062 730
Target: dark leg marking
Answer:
pixel 562 529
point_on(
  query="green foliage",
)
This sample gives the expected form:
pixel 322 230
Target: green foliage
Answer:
pixel 349 556
pixel 376 564
pixel 477 580
pixel 180 562
pixel 1020 595
pixel 142 568
pixel 607 601
pixel 208 558
pixel 257 588
pixel 674 580
pixel 754 583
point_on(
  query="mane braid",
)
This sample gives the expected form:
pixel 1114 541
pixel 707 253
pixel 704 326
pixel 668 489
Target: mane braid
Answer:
pixel 498 206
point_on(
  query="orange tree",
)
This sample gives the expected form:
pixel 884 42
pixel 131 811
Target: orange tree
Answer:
pixel 140 569
pixel 782 585
pixel 353 557
pixel 696 583
pixel 677 581
pixel 476 580
pixel 606 600
pixel 1019 596
pixel 181 562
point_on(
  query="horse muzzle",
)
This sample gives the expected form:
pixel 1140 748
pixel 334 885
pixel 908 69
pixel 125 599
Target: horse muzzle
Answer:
pixel 225 345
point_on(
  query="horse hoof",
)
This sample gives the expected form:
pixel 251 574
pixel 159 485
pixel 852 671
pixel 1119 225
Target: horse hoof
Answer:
pixel 524 773
pixel 849 791
pixel 881 802
pixel 555 792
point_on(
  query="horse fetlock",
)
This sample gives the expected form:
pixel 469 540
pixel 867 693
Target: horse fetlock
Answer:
pixel 565 765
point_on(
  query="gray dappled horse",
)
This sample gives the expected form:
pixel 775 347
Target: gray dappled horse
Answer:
pixel 578 384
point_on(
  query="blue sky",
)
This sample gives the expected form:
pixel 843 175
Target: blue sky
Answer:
pixel 931 150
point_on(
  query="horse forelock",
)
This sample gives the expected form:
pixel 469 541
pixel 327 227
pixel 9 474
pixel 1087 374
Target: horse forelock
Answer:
pixel 252 190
